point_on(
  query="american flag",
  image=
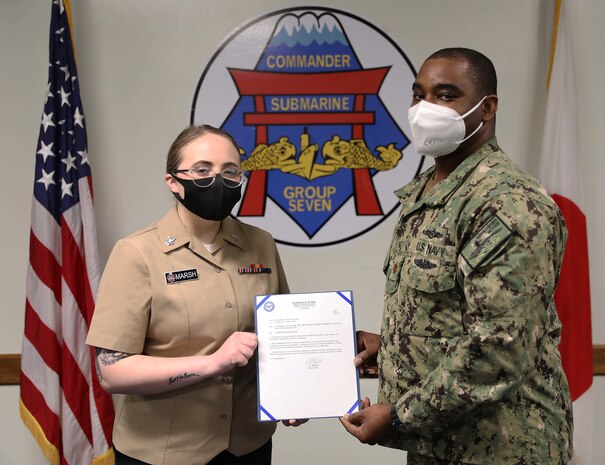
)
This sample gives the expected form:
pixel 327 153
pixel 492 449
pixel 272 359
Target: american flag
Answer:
pixel 62 402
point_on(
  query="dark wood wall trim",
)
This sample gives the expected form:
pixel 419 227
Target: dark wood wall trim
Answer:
pixel 9 365
pixel 598 358
pixel 9 368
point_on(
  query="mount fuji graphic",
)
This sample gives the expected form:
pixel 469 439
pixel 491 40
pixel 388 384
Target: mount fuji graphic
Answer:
pixel 292 30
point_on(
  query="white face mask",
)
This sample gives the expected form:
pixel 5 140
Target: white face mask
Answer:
pixel 438 130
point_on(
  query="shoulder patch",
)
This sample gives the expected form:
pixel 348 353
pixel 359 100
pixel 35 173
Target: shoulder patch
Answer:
pixel 491 235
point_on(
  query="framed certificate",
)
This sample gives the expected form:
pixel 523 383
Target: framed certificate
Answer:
pixel 306 347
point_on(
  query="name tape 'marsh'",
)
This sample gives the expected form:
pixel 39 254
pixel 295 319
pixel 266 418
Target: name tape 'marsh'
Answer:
pixel 174 277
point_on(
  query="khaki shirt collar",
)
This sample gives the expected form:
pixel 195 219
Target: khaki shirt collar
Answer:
pixel 440 193
pixel 174 234
pixel 231 232
pixel 172 231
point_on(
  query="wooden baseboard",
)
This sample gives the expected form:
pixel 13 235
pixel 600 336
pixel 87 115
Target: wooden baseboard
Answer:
pixel 10 363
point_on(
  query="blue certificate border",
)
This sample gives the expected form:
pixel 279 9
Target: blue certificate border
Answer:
pixel 259 301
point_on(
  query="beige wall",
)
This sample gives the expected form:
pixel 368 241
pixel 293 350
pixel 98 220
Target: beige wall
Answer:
pixel 139 62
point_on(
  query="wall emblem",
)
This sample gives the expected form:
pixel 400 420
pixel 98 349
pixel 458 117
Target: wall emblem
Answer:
pixel 317 100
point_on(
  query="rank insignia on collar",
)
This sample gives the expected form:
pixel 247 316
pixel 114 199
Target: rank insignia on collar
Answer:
pixel 170 240
pixel 254 268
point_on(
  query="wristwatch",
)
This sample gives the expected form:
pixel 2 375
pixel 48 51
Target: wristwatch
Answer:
pixel 395 421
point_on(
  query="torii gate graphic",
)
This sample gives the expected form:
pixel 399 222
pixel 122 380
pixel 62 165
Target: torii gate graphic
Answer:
pixel 259 84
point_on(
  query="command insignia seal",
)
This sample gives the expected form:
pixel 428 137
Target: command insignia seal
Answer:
pixel 317 101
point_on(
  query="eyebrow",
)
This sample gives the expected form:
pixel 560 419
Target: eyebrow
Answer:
pixel 208 163
pixel 438 87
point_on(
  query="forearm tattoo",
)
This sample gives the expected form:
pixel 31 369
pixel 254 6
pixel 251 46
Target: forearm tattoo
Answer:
pixel 174 379
pixel 107 358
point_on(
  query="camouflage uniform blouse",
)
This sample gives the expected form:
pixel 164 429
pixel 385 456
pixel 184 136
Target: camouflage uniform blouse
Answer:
pixel 470 331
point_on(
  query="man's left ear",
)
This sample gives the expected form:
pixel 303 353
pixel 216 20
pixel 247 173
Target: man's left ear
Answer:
pixel 489 107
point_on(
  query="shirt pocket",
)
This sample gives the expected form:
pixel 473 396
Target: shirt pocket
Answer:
pixel 429 267
pixel 428 274
pixel 431 304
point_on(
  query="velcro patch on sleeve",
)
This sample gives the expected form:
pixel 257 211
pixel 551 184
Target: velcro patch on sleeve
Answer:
pixel 490 236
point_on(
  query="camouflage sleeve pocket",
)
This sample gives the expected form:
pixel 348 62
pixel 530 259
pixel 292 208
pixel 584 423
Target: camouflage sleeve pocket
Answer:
pixel 482 245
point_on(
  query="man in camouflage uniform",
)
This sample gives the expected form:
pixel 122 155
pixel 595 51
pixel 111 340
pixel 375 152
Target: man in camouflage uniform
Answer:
pixel 467 358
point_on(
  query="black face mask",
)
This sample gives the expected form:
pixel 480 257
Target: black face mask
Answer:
pixel 214 202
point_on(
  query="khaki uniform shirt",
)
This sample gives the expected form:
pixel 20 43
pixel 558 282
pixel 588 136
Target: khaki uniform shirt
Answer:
pixel 470 332
pixel 139 312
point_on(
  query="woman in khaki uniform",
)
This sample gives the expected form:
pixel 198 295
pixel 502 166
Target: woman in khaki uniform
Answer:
pixel 174 320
